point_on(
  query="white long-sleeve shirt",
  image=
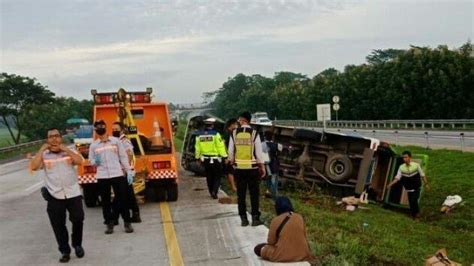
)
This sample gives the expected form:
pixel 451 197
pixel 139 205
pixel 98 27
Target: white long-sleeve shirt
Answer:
pixel 112 156
pixel 257 146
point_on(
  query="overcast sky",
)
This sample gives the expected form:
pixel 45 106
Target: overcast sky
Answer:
pixel 184 48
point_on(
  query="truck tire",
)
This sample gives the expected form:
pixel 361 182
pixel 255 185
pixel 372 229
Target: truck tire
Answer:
pixel 338 168
pixel 91 195
pixel 172 191
pixel 160 192
pixel 306 134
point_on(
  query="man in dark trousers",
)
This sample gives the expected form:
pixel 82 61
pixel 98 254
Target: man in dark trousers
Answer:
pixel 62 192
pixel 110 157
pixel 245 153
pixel 411 174
pixel 118 131
pixel 210 149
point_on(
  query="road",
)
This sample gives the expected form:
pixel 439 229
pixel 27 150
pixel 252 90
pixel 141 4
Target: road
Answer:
pixel 436 139
pixel 198 231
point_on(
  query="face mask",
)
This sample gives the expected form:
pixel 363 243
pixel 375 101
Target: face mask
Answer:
pixel 100 131
pixel 116 134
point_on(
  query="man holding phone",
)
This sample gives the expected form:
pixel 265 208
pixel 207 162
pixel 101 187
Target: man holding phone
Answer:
pixel 61 191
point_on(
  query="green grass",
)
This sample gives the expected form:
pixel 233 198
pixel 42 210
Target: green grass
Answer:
pixel 392 238
pixel 19 153
pixel 5 138
pixel 179 136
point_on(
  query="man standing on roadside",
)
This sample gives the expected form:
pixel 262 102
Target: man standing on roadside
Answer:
pixel 411 174
pixel 118 131
pixel 108 154
pixel 245 153
pixel 62 192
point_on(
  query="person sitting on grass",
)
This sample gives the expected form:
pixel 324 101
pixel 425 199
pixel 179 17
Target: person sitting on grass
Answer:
pixel 287 240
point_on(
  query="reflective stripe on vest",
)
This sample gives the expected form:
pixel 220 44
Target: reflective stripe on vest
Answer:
pixel 244 148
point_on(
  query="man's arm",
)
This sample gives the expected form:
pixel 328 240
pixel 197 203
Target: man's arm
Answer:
pixel 76 157
pixel 37 161
pixel 123 157
pixel 424 178
pixel 396 179
pixel 92 154
pixel 259 156
pixel 230 149
pixel 197 148
pixel 220 146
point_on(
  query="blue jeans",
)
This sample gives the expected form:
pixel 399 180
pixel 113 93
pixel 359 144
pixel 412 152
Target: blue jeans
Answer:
pixel 272 185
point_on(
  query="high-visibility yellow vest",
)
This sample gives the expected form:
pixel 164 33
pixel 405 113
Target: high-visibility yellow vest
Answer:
pixel 244 143
pixel 209 143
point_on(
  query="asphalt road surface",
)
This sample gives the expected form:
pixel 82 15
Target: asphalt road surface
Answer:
pixel 434 139
pixel 195 230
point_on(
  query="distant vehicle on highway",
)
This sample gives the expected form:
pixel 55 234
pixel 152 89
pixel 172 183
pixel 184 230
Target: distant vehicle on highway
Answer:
pixel 83 137
pixel 258 116
pixel 263 121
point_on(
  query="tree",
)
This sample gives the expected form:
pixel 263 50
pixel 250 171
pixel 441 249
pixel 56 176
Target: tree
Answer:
pixel 18 95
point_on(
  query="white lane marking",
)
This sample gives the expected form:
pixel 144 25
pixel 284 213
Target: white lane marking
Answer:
pixel 34 187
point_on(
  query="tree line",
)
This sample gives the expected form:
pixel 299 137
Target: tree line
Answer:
pixel 414 83
pixel 28 108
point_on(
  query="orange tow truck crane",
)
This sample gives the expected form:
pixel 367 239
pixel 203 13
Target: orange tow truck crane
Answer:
pixel 149 129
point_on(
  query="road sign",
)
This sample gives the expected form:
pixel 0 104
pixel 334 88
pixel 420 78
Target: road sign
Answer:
pixel 323 111
pixel 335 99
pixel 336 107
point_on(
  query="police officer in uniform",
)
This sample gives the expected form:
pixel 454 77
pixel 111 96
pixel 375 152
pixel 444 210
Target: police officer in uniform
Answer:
pixel 245 153
pixel 210 149
pixel 410 175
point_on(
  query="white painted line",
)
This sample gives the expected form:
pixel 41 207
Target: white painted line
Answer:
pixel 14 162
pixel 34 187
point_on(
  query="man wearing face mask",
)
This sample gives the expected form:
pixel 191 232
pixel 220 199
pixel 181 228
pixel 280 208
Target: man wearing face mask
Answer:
pixel 110 157
pixel 62 192
pixel 118 132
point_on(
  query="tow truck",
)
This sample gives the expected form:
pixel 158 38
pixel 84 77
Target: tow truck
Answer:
pixel 149 129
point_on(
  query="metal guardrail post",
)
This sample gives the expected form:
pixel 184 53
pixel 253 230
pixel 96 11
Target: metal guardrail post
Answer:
pixel 462 141
pixel 373 131
pixel 427 140
pixel 396 137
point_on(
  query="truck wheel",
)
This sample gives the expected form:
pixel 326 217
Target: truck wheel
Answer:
pixel 160 192
pixel 91 195
pixel 172 191
pixel 338 168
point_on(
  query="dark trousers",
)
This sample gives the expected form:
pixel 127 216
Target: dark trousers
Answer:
pixel 248 179
pixel 132 203
pixel 213 175
pixel 120 187
pixel 57 216
pixel 413 201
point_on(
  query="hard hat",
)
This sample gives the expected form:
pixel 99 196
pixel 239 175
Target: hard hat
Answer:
pixel 210 121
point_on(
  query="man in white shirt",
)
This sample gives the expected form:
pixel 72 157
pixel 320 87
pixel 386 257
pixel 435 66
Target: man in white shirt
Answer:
pixel 62 192
pixel 110 157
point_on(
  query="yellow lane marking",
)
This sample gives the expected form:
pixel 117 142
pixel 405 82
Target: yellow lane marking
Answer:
pixel 174 253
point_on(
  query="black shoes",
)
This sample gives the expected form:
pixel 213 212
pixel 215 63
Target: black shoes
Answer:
pixel 64 258
pixel 256 220
pixel 128 228
pixel 244 220
pixel 79 251
pixel 110 229
pixel 214 195
pixel 136 218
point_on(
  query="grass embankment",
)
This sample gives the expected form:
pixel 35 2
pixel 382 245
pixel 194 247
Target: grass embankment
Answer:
pixel 179 135
pixel 389 237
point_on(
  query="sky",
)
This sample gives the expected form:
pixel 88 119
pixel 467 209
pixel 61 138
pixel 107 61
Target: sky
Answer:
pixel 185 48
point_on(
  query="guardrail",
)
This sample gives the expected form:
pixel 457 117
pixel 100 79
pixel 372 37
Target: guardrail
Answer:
pixel 20 146
pixel 464 124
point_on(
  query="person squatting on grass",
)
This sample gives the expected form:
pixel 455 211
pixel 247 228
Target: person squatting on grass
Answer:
pixel 287 240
